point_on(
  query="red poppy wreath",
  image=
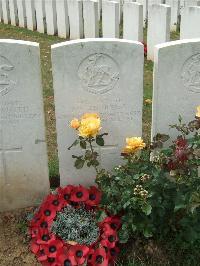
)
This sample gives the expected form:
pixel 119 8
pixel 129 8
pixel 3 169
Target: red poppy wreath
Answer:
pixel 67 229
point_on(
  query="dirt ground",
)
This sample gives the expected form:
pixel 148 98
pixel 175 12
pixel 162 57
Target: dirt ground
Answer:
pixel 14 241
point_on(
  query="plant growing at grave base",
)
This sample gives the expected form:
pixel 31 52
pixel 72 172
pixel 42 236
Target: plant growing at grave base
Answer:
pixel 156 189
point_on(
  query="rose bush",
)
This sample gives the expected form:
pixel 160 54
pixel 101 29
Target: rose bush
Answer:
pixel 156 189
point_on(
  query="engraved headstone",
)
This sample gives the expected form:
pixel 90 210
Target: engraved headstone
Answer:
pixel 103 76
pixel 176 85
pixel 23 155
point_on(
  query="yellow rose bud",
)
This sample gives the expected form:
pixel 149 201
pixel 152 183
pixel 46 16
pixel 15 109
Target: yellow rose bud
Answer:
pixel 148 101
pixel 198 111
pixel 133 145
pixel 90 125
pixel 75 123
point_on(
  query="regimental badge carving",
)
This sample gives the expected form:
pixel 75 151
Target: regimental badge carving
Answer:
pixel 191 73
pixel 98 73
pixel 6 83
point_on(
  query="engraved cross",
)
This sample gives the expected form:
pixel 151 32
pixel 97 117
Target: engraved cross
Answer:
pixel 3 151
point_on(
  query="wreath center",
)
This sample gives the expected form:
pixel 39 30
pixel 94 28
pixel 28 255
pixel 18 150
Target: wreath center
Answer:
pixel 76 225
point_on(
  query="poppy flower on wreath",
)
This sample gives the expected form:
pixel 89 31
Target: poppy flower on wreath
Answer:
pixel 80 194
pixel 94 196
pixel 54 238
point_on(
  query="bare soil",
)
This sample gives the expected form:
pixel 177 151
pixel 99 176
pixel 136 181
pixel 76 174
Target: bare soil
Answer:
pixel 14 241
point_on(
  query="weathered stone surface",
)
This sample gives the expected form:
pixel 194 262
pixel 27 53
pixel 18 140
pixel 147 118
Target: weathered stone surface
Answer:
pixel 23 154
pixel 176 84
pixel 103 76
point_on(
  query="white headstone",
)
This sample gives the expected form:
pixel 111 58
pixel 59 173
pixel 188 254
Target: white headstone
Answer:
pixel 192 3
pixel 62 18
pixel 23 154
pixel 99 8
pixel 30 14
pixel 40 15
pixel 75 9
pixel 190 23
pixel 6 11
pixel 21 13
pixel 110 19
pixel 13 12
pixel 175 12
pixel 51 16
pixel 103 76
pixel 1 12
pixel 90 15
pixel 133 22
pixel 176 84
pixel 158 27
pixel 145 10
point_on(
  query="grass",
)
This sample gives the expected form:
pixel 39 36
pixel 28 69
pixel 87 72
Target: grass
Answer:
pixel 45 41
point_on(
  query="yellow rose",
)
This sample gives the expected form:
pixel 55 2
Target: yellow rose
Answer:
pixel 148 101
pixel 198 111
pixel 90 115
pixel 90 125
pixel 133 144
pixel 75 123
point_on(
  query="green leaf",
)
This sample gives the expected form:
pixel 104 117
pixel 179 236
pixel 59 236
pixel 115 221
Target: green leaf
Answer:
pixel 147 209
pixel 79 163
pixel 147 232
pixel 179 207
pixel 100 216
pixel 99 141
pixel 83 144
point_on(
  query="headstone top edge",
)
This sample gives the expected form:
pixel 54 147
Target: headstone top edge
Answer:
pixel 176 43
pixel 95 40
pixel 13 41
